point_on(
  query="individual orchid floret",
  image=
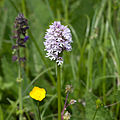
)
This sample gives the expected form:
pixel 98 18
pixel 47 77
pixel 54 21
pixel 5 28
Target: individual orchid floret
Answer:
pixel 72 102
pixel 21 26
pixel 58 38
pixel 67 116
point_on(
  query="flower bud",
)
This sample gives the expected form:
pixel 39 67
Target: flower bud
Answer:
pixel 72 101
pixel 68 88
pixel 67 116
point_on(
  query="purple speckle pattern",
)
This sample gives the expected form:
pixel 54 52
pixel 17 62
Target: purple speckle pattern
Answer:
pixel 57 39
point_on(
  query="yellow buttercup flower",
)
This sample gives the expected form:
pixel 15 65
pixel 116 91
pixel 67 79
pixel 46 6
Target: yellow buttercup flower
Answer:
pixel 38 93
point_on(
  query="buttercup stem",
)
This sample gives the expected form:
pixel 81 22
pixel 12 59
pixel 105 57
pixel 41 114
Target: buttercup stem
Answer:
pixel 59 91
pixel 39 110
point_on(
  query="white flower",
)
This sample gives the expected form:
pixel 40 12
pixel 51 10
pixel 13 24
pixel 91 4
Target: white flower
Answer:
pixel 67 116
pixel 59 61
pixel 58 38
pixel 68 88
pixel 72 101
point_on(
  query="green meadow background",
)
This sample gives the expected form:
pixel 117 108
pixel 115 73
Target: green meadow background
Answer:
pixel 92 67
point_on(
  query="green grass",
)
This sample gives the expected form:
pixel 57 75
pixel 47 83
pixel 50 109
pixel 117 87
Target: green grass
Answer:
pixel 92 67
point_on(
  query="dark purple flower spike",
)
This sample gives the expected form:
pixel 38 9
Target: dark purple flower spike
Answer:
pixel 21 27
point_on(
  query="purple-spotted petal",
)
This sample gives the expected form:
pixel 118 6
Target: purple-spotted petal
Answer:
pixel 58 38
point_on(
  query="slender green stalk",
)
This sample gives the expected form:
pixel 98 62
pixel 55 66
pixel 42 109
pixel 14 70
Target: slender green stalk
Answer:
pixel 66 12
pixel 13 4
pixel 116 30
pixel 95 114
pixel 38 105
pixel 104 61
pixel 24 7
pixel 49 8
pixel 20 87
pixel 105 46
pixel 59 91
pixel 94 26
pixel 1 113
pixel 117 110
pixel 20 101
pixel 27 115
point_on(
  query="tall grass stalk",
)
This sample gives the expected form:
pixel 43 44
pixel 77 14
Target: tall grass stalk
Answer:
pixel 66 11
pixel 104 62
pixel 95 23
pixel 116 58
pixel 59 91
pixel 24 7
pixel 105 46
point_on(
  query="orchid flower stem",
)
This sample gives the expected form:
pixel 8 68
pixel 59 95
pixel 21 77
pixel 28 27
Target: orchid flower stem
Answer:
pixel 59 91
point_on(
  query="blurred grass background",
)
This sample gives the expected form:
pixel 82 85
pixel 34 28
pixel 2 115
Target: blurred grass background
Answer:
pixel 92 67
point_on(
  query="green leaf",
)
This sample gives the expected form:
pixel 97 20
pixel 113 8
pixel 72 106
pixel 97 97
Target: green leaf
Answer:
pixel 101 114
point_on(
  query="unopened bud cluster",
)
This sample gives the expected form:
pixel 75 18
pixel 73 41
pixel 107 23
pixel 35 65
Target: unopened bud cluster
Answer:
pixel 68 88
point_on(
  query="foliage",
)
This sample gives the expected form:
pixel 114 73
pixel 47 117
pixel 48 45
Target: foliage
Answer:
pixel 92 67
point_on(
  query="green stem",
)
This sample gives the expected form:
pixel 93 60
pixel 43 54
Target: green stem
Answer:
pixel 20 101
pixel 27 115
pixel 66 11
pixel 59 91
pixel 95 114
pixel 39 110
pixel 90 69
pixel 24 7
pixel 20 88
pixel 13 4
